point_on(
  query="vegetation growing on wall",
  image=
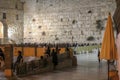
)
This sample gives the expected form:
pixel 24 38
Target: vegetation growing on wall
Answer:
pixel 90 38
pixel 99 25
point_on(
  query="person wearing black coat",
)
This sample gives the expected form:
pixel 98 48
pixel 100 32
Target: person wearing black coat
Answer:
pixel 2 54
pixel 99 56
pixel 54 59
pixel 19 60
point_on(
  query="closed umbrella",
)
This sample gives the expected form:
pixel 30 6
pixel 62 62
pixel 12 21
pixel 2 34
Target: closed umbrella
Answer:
pixel 108 49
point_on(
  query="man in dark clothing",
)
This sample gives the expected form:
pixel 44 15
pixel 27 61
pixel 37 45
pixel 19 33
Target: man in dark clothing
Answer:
pixel 48 51
pixel 99 56
pixel 54 58
pixel 19 59
pixel 2 54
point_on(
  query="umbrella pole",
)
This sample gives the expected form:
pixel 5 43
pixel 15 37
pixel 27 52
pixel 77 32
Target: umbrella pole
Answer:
pixel 108 69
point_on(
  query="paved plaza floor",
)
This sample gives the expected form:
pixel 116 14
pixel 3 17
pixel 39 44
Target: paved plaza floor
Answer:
pixel 2 76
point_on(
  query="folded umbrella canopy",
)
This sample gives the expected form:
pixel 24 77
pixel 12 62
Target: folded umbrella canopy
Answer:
pixel 108 49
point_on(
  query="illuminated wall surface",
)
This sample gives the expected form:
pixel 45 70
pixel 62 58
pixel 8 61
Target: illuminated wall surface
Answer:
pixel 56 21
pixel 10 9
pixel 1 30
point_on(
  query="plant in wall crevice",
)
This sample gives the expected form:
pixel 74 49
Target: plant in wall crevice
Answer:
pixel 90 38
pixel 99 25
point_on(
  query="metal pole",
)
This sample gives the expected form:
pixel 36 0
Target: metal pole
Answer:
pixel 108 69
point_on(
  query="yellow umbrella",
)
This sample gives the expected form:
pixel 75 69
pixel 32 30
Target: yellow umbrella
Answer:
pixel 108 49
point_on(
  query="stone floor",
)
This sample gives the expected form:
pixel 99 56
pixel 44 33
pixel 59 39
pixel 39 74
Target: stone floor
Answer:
pixel 2 76
pixel 88 69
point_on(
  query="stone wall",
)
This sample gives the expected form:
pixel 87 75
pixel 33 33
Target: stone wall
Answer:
pixel 55 21
pixel 14 19
pixel 61 21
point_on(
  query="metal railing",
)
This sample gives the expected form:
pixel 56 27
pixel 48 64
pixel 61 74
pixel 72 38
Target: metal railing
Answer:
pixel 38 66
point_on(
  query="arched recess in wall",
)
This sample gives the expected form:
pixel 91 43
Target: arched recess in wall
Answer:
pixel 3 31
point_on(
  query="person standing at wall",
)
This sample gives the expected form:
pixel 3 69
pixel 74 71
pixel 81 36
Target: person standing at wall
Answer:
pixel 98 55
pixel 54 59
pixel 48 51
